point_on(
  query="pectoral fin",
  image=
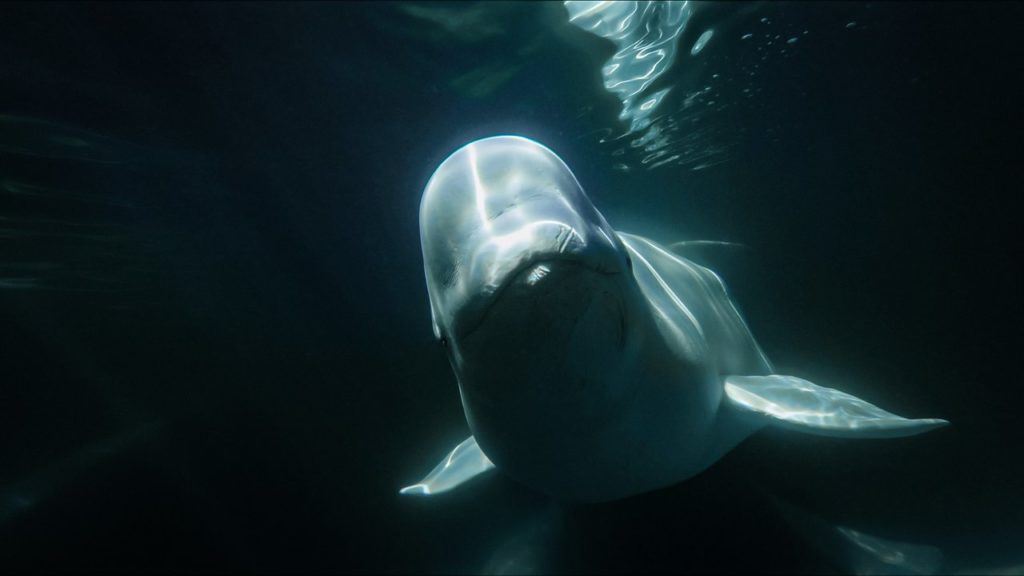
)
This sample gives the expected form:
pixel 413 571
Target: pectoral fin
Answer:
pixel 797 404
pixel 686 245
pixel 463 463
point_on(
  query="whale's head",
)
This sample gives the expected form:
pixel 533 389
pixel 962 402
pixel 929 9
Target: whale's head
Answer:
pixel 530 288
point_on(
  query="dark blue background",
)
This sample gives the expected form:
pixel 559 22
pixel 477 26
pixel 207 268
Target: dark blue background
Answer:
pixel 224 360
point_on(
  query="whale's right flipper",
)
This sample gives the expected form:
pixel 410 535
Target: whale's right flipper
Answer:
pixel 794 403
pixel 463 463
pixel 683 248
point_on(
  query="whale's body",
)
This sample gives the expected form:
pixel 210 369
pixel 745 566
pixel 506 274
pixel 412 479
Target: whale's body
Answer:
pixel 593 364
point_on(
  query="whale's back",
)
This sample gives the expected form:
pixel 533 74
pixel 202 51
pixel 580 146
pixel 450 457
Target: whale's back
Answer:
pixel 693 305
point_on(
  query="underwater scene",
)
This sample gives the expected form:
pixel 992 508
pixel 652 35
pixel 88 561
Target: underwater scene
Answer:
pixel 511 287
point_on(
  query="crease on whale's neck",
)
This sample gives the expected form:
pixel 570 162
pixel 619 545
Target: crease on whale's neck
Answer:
pixel 664 407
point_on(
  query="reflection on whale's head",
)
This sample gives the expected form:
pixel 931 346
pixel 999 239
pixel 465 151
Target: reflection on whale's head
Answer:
pixel 529 286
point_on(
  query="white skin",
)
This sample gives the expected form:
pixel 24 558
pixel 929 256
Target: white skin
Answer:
pixel 591 363
pixel 567 379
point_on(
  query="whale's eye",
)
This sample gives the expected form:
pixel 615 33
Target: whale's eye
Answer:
pixel 444 342
pixel 629 263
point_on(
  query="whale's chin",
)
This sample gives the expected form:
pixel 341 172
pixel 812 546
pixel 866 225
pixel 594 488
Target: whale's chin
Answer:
pixel 542 276
pixel 541 286
pixel 547 341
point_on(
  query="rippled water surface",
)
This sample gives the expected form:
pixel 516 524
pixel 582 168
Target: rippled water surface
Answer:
pixel 214 328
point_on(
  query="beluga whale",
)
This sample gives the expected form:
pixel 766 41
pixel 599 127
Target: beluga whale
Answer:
pixel 593 364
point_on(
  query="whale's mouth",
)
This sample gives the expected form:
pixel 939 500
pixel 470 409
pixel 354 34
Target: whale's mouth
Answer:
pixel 553 331
pixel 532 279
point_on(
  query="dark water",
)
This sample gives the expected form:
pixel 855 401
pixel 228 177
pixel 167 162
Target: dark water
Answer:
pixel 216 342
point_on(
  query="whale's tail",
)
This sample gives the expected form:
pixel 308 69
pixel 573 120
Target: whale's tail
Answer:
pixel 853 551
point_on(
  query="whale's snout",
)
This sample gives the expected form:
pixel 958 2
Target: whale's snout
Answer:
pixel 501 211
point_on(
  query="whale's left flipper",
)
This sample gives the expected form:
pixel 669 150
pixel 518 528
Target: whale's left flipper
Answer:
pixel 794 403
pixel 463 463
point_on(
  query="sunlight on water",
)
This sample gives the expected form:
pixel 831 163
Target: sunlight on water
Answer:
pixel 645 34
pixel 673 102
